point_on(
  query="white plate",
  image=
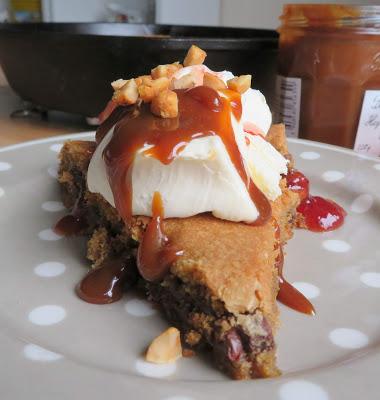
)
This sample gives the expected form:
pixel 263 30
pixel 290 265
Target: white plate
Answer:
pixel 55 346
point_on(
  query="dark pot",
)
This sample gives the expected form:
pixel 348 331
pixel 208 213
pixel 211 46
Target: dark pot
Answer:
pixel 69 67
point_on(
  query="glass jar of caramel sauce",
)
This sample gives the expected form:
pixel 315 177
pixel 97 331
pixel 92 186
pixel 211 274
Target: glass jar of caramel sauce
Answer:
pixel 328 88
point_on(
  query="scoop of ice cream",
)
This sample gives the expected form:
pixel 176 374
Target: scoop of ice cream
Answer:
pixel 202 177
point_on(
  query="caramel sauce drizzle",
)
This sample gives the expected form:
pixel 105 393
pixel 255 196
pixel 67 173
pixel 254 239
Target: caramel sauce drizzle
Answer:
pixel 155 254
pixel 114 114
pixel 288 294
pixel 73 223
pixel 105 284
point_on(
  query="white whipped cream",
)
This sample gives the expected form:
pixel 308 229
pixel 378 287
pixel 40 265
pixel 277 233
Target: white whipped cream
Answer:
pixel 203 178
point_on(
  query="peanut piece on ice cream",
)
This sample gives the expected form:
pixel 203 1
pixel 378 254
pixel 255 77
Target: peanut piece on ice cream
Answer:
pixel 126 94
pixel 143 80
pixel 194 56
pixel 166 71
pixel 165 348
pixel 240 83
pixel 213 82
pixel 165 104
pixel 118 84
pixel 151 89
pixel 185 82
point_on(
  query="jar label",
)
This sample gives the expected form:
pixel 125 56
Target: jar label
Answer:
pixel 368 133
pixel 288 103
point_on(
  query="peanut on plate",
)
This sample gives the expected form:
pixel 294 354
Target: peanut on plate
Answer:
pixel 165 348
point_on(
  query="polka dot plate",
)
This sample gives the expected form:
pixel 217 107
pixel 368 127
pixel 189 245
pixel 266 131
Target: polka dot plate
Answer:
pixel 55 346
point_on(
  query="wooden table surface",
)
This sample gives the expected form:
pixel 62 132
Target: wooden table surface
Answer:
pixel 16 130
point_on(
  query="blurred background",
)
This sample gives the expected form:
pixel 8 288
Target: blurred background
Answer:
pixel 233 13
pixel 68 69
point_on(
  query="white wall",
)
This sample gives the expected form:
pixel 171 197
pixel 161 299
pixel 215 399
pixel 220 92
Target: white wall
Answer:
pixel 239 13
pixel 188 12
pixel 87 10
pixel 74 10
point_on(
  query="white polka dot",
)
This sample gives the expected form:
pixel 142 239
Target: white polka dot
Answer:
pixel 37 353
pixel 49 234
pixel 155 370
pixel 362 203
pixel 301 390
pixel 377 166
pixel 49 269
pixel 1 192
pixel 336 246
pixel 53 171
pixel 139 308
pixel 310 155
pixel 53 206
pixel 178 398
pixel 371 279
pixel 307 289
pixel 4 166
pixel 56 147
pixel 47 315
pixel 348 338
pixel 332 176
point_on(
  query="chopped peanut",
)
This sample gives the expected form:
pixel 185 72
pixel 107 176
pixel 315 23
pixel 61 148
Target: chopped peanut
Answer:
pixel 167 70
pixel 127 94
pixel 165 104
pixel 186 82
pixel 165 348
pixel 160 84
pixel 143 80
pixel 240 83
pixel 194 56
pixel 213 82
pixel 118 84
pixel 146 93
pixel 151 89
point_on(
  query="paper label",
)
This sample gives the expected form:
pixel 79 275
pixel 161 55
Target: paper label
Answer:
pixel 368 133
pixel 287 107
